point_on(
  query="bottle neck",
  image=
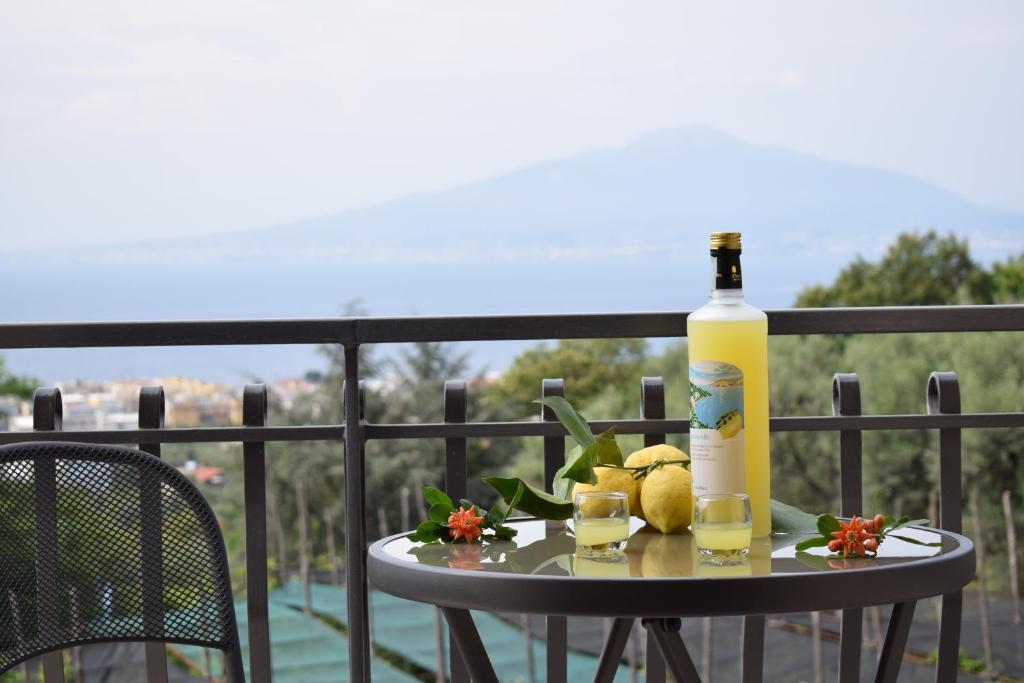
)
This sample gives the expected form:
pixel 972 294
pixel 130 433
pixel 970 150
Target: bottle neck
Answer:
pixel 726 275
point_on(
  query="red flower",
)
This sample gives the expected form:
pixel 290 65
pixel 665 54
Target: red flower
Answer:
pixel 466 557
pixel 852 537
pixel 465 524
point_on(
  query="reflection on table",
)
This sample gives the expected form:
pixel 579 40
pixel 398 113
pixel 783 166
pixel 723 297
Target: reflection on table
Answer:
pixel 549 548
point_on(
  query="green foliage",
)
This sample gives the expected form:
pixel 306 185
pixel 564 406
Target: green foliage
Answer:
pixel 435 528
pixel 530 500
pixel 918 269
pixel 589 367
pixel 1007 280
pixel 21 386
pixel 602 379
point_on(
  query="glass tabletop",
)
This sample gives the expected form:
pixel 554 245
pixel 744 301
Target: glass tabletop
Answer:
pixel 549 549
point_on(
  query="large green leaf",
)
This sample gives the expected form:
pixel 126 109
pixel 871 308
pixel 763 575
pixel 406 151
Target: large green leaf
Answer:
pixel 439 513
pixel 827 525
pixel 606 449
pixel 813 542
pixel 787 519
pixel 908 539
pixel 437 497
pixel 530 500
pixel 570 419
pixel 579 466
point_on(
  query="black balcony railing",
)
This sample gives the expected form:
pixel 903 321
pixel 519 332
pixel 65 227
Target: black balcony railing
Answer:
pixel 942 412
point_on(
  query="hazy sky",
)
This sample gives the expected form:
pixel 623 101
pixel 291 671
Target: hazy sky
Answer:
pixel 121 120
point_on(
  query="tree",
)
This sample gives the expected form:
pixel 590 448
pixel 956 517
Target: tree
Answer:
pixel 900 467
pixel 588 366
pixel 916 270
pixel 21 386
pixel 1007 280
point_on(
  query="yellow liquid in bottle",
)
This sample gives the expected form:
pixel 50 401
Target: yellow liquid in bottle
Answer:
pixel 724 536
pixel 743 343
pixel 591 532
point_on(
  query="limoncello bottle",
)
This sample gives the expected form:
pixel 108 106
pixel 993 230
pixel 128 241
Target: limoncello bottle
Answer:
pixel 728 346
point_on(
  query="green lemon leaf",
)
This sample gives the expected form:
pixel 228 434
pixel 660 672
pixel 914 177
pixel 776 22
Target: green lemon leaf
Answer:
pixel 578 467
pixel 813 561
pixel 787 519
pixel 439 513
pixel 437 497
pixel 520 492
pixel 827 524
pixel 907 539
pixel 502 531
pixel 816 542
pixel 466 504
pixel 906 521
pixel 607 451
pixel 575 423
pixel 428 532
pixel 530 500
pixel 495 516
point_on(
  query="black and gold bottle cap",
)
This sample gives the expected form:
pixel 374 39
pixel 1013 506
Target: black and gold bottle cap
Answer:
pixel 725 240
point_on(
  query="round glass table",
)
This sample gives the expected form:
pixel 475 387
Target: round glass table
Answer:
pixel 661 578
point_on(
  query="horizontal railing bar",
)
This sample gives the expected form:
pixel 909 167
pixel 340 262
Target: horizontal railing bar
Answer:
pixel 185 435
pixel 495 328
pixel 440 430
pixel 896 319
pixel 825 423
pixel 176 333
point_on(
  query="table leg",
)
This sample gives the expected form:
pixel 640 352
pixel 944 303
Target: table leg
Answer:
pixel 895 642
pixel 611 655
pixel 666 634
pixel 752 664
pixel 949 637
pixel 557 649
pixel 463 630
pixel 654 664
pixel 850 645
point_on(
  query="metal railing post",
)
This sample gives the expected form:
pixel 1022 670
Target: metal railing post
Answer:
pixel 455 475
pixel 151 416
pixel 846 402
pixel 557 627
pixel 652 407
pixel 356 587
pixel 48 416
pixel 254 468
pixel 943 398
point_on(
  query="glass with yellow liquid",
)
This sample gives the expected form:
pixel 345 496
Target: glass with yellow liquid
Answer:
pixel 721 525
pixel 600 523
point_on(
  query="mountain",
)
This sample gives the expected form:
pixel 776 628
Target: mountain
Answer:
pixel 611 229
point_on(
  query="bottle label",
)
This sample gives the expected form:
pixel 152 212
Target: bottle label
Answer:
pixel 717 459
pixel 728 274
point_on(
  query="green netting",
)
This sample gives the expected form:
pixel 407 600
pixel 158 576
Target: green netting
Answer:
pixel 407 628
pixel 303 650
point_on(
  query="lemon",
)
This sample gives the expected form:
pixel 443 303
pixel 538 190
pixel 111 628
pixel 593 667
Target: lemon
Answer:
pixel 609 479
pixel 666 499
pixel 667 556
pixel 643 458
pixel 729 425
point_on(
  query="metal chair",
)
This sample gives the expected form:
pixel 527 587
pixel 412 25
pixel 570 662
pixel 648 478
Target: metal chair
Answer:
pixel 104 543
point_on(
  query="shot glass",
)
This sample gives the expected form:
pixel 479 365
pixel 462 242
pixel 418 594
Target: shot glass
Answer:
pixel 721 526
pixel 600 523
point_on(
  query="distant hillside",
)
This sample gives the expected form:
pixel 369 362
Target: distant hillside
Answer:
pixel 665 190
pixel 612 229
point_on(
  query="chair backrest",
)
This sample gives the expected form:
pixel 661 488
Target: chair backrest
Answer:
pixel 104 543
